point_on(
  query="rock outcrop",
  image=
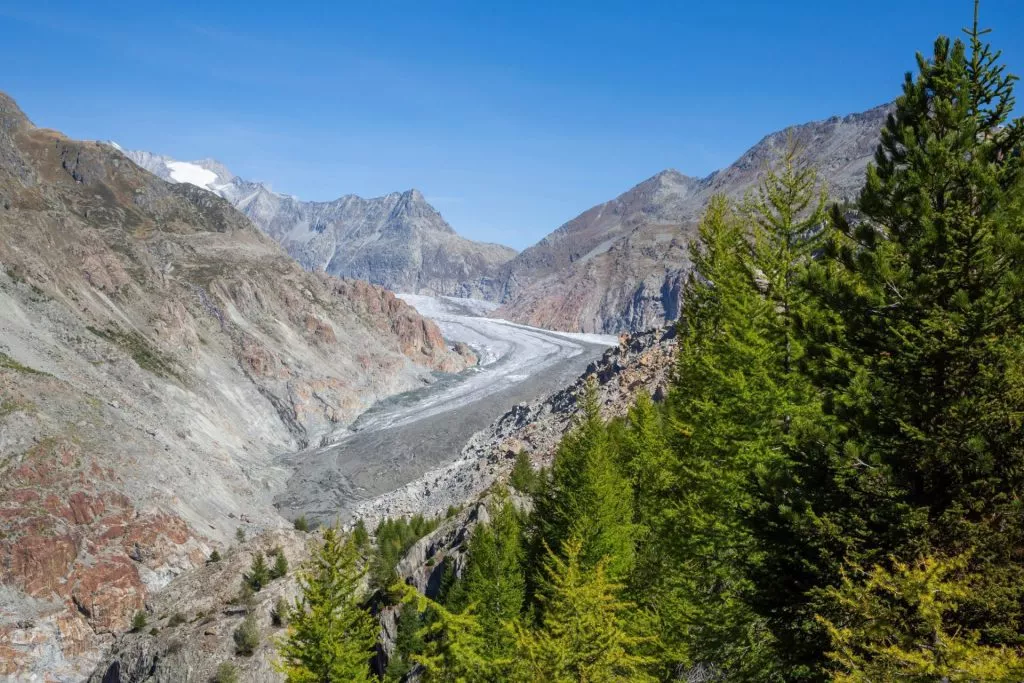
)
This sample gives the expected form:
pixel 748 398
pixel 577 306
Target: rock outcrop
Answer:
pixel 621 265
pixel 398 241
pixel 641 363
pixel 157 353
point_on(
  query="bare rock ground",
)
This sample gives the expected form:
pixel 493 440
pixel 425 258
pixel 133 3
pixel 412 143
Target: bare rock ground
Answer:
pixel 157 353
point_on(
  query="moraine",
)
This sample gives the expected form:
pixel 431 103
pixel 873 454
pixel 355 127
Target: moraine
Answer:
pixel 402 438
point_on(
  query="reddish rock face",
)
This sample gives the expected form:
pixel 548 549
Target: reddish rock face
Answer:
pixel 157 349
pixel 83 546
pixel 108 592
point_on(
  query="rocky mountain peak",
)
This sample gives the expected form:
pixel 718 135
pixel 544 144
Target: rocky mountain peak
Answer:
pixel 620 265
pixel 10 113
pixel 413 206
pixel 398 240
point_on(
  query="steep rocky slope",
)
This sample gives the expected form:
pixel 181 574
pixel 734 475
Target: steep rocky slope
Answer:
pixel 620 265
pixel 156 353
pixel 192 647
pixel 642 362
pixel 398 241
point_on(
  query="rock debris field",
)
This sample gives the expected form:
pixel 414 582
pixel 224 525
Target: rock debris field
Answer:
pixel 402 438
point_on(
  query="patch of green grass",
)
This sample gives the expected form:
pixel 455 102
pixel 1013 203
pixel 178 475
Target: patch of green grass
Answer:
pixel 9 363
pixel 141 351
pixel 8 406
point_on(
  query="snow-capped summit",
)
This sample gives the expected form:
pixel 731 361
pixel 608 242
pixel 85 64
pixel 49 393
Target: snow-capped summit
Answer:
pixel 208 174
pixel 398 241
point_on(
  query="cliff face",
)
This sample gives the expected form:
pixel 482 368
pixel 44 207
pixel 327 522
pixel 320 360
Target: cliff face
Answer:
pixel 620 265
pixel 398 241
pixel 157 352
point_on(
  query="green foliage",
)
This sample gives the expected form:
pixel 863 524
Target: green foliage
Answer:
pixel 226 673
pixel 247 636
pixel 895 625
pixel 279 615
pixel 454 642
pixel 587 497
pixel 145 355
pixel 280 567
pixel 240 535
pixel 584 633
pixel 246 596
pixel 394 538
pixel 330 634
pixel 361 536
pixel 214 556
pixel 259 574
pixel 494 580
pixel 408 642
pixel 8 363
pixel 524 478
pixel 915 345
pixel 301 524
pixel 139 621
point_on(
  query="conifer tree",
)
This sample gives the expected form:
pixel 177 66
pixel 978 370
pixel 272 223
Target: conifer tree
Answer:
pixel 361 536
pixel 895 625
pixel 408 642
pixel 916 345
pixel 523 477
pixel 330 635
pixel 737 396
pixel 454 642
pixel 584 632
pixel 494 579
pixel 587 497
pixel 280 567
pixel 259 573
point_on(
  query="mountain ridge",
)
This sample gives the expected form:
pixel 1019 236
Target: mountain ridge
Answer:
pixel 158 354
pixel 620 265
pixel 397 240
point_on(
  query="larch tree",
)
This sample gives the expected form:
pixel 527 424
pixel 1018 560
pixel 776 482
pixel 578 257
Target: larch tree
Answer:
pixel 330 636
pixel 916 346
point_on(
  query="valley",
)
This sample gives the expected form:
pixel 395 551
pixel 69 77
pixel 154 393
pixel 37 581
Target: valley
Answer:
pixel 402 438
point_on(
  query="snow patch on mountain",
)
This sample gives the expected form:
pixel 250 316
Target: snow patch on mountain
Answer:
pixel 184 172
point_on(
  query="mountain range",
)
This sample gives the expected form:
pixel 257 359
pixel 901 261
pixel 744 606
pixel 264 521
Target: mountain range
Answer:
pixel 398 241
pixel 618 266
pixel 621 265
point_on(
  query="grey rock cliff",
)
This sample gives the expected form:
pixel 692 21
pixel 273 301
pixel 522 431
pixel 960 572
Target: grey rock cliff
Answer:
pixel 398 241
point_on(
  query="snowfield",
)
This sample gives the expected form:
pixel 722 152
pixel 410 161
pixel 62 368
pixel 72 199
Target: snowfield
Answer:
pixel 184 172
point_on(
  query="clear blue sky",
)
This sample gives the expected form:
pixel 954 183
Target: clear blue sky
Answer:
pixel 512 119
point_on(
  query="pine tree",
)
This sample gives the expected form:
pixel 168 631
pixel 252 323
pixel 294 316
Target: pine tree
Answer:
pixel 916 345
pixel 330 635
pixel 259 574
pixel 361 536
pixel 280 567
pixel 247 636
pixel 587 497
pixel 523 477
pixel 895 625
pixel 583 633
pixel 494 579
pixel 454 642
pixel 737 398
pixel 408 642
